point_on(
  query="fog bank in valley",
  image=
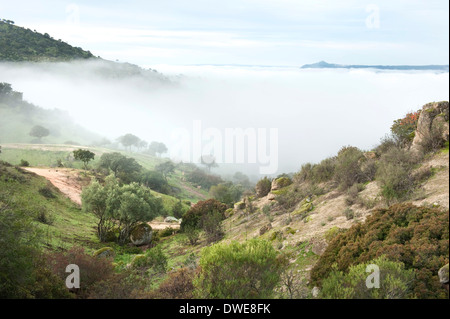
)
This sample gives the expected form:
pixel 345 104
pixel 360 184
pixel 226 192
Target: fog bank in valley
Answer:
pixel 315 112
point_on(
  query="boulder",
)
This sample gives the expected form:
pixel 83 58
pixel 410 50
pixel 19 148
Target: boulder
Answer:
pixel 170 219
pixel 239 205
pixel 104 252
pixel 280 182
pixel 141 234
pixel 433 115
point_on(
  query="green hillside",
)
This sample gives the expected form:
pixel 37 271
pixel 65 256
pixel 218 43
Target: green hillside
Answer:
pixel 20 44
pixel 18 117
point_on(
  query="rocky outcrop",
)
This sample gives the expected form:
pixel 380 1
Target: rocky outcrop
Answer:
pixel 104 252
pixel 278 183
pixel 433 118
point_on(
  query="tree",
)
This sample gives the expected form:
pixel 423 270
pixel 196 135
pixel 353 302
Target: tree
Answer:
pixel 94 199
pixel 209 161
pixel 166 169
pixel 155 181
pixel 227 193
pixel 178 210
pixel 83 155
pixel 121 206
pixel 129 140
pixel 125 168
pixel 39 132
pixel 142 144
pixel 245 270
pixel 157 148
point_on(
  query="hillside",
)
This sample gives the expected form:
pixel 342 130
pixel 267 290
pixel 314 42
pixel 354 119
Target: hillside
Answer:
pixel 18 117
pixel 20 44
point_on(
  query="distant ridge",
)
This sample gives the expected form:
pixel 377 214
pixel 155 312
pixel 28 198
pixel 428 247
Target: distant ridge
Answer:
pixel 325 65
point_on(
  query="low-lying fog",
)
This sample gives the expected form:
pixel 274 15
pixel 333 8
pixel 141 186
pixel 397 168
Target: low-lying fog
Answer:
pixel 315 112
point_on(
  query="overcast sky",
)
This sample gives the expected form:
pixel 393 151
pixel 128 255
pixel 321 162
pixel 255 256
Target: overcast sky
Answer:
pixel 249 32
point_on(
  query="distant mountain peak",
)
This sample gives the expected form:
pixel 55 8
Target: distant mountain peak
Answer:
pixel 326 65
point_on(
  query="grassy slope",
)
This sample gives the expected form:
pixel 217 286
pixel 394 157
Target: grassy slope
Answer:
pixel 70 226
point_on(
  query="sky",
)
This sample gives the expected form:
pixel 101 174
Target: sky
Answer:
pixel 239 62
pixel 245 32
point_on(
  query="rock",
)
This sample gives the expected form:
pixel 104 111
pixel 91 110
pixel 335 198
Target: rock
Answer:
pixel 171 219
pixel 315 292
pixel 433 115
pixel 370 155
pixel 104 252
pixel 279 183
pixel 265 229
pixel 270 196
pixel 318 245
pixel 239 205
pixel 443 275
pixel 141 234
pixel 305 206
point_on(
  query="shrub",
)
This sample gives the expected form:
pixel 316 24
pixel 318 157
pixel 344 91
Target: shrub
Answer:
pixel 92 269
pixel 44 217
pixel 394 174
pixel 348 167
pixel 205 180
pixel 324 171
pixel 403 130
pixel 263 187
pixel 24 163
pixel 46 192
pixel 211 224
pixel 178 210
pixel 156 259
pixel 349 213
pixel 238 270
pixel 192 234
pixel 194 215
pixel 304 174
pixel 166 232
pixel 395 282
pixel 416 236
pixel 179 285
pixel 331 233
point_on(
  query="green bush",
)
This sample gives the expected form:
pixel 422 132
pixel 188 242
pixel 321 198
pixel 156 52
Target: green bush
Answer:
pixel 24 163
pixel 416 236
pixel 394 174
pixel 245 270
pixel 263 187
pixel 194 216
pixel 395 282
pixel 348 167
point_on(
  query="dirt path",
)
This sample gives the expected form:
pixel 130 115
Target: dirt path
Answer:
pixel 65 179
pixel 70 184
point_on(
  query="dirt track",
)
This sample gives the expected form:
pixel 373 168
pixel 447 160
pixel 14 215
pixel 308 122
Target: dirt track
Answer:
pixel 69 183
